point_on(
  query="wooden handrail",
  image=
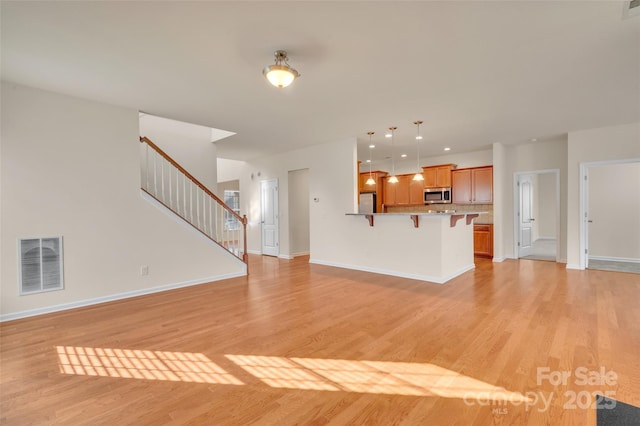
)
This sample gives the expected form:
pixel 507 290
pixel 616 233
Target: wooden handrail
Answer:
pixel 144 139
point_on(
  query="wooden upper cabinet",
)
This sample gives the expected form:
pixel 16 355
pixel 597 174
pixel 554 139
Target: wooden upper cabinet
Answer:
pixel 430 178
pixel 402 190
pixel 438 176
pixel 482 185
pixel 389 192
pixel 416 191
pixel 472 186
pixel 461 186
pixel 363 183
pixel 403 193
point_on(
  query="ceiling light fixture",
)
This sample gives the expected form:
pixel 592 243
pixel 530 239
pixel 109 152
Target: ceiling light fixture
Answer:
pixel 418 123
pixel 370 181
pixel 280 74
pixel 393 178
pixel 418 176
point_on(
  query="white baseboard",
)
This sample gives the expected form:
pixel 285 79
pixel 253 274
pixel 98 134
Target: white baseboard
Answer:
pixel 572 266
pixel 498 259
pixel 293 255
pixel 615 259
pixel 432 279
pixel 254 252
pixel 117 296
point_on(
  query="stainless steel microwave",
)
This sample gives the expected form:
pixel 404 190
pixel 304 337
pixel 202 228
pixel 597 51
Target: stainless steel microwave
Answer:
pixel 437 195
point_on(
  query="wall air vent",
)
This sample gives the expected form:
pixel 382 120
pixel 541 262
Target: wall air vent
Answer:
pixel 631 9
pixel 40 266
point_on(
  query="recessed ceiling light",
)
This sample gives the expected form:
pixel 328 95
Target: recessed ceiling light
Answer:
pixel 372 146
pixel 403 155
pixel 368 161
pixel 387 135
pixel 447 149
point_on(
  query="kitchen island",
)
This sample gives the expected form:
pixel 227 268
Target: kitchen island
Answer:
pixel 433 247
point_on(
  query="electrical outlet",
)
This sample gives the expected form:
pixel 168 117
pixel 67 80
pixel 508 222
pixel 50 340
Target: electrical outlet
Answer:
pixel 144 270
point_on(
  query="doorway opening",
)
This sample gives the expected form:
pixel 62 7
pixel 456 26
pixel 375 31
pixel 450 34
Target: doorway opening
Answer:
pixel 537 215
pixel 610 212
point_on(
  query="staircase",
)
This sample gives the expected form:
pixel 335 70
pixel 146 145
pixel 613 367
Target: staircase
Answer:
pixel 171 185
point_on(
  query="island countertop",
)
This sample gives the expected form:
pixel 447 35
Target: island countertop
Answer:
pixel 454 216
pixel 433 247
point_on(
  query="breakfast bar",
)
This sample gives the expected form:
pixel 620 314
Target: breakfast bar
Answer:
pixel 433 247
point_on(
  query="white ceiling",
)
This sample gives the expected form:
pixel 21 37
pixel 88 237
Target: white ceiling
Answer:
pixel 475 72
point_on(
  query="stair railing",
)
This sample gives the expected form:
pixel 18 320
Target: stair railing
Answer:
pixel 172 186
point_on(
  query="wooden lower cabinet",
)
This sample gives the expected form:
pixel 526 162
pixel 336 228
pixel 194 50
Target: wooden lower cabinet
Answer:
pixel 483 240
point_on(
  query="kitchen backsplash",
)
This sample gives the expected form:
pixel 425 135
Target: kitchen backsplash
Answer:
pixel 483 218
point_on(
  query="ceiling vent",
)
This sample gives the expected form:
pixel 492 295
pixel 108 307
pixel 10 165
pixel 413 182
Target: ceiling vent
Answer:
pixel 631 9
pixel 40 264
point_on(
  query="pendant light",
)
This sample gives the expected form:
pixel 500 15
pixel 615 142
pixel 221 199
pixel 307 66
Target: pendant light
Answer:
pixel 371 180
pixel 418 176
pixel 280 74
pixel 393 178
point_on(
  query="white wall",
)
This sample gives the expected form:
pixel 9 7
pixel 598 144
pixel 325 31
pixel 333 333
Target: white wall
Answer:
pixel 602 144
pixel 188 144
pixel 501 185
pixel 614 209
pixel 332 180
pixel 229 169
pixel 70 167
pixel 299 212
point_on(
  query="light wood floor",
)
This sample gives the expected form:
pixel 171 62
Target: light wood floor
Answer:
pixel 306 344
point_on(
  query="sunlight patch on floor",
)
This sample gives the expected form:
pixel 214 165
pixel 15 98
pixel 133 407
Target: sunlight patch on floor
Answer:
pixel 142 364
pixel 394 378
pixel 373 377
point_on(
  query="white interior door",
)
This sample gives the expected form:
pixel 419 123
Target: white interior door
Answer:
pixel 525 219
pixel 269 210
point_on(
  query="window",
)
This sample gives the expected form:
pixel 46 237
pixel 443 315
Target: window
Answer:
pixel 232 199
